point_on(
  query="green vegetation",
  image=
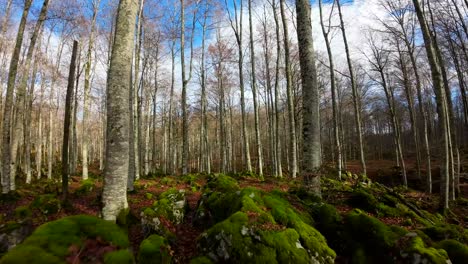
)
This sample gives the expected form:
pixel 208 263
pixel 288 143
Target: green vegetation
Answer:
pixel 51 242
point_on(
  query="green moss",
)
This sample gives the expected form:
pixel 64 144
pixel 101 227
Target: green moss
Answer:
pixel 48 204
pixel 418 249
pixel 374 235
pixel 55 238
pixel 258 227
pixel 447 231
pixel 167 181
pixel 458 252
pixel 119 257
pixel 288 246
pixel 23 212
pixel 171 205
pixel 30 254
pixel 222 183
pixel 330 223
pixel 201 260
pixel 364 200
pixel 87 186
pixel 149 196
pixel 154 249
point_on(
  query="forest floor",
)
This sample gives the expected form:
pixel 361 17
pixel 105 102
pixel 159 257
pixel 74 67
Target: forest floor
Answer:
pixel 85 199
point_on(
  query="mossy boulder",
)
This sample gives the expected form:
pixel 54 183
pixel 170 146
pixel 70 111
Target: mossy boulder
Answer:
pixel 251 226
pixel 171 206
pixel 54 241
pixel 201 260
pixel 155 249
pixel 13 233
pixel 415 251
pixel 47 204
pixel 370 234
pixel 447 231
pixel 87 186
pixel 457 251
pixel 221 183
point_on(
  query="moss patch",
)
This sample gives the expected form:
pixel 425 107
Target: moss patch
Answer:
pixel 155 249
pixel 457 251
pixel 48 204
pixel 252 226
pixel 53 240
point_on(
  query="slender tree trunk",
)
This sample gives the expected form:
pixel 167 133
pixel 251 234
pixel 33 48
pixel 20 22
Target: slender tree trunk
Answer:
pixel 336 131
pixel 114 196
pixel 277 93
pixel 254 93
pixel 8 183
pixel 87 88
pixel 440 100
pixel 66 122
pixel 357 110
pixel 291 108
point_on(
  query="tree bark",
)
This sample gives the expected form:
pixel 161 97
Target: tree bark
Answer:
pixel 440 100
pixel 114 196
pixel 311 99
pixel 8 183
pixel 291 108
pixel 66 122
pixel 87 88
pixel 357 110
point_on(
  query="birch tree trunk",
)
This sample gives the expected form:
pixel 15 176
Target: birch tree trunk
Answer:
pixel 114 196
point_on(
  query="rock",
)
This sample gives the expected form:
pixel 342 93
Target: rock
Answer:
pixel 155 249
pixel 12 234
pixel 171 206
pixel 252 226
pixel 54 241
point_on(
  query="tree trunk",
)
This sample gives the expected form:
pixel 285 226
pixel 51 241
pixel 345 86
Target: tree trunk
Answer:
pixel 291 108
pixel 66 122
pixel 114 196
pixel 336 131
pixel 254 93
pixel 440 100
pixel 311 99
pixel 87 88
pixel 357 110
pixel 8 183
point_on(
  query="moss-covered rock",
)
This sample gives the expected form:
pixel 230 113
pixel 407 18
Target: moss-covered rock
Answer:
pixel 252 226
pixel 373 235
pixel 447 231
pixel 122 256
pixel 53 241
pixel 221 183
pixel 13 233
pixel 201 260
pixel 23 212
pixel 458 252
pixel 155 249
pixel 87 186
pixel 48 204
pixel 171 206
pixel 415 250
